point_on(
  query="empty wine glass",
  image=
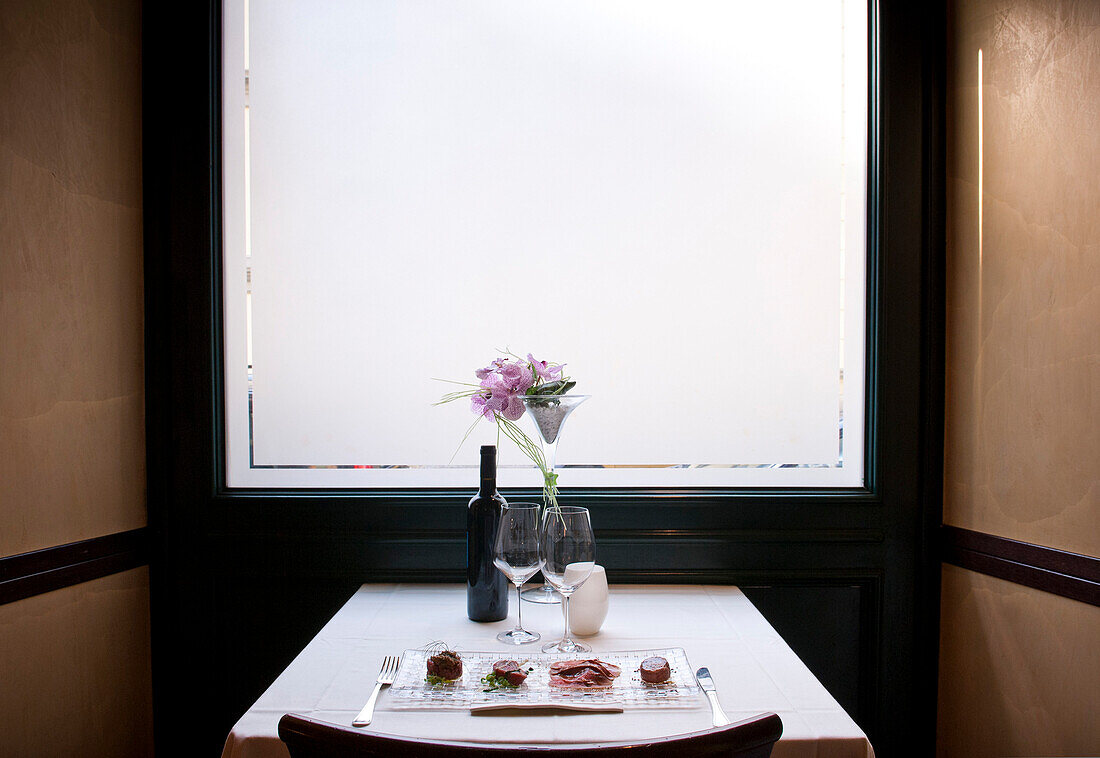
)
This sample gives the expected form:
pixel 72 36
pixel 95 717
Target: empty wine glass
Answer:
pixel 568 557
pixel 516 554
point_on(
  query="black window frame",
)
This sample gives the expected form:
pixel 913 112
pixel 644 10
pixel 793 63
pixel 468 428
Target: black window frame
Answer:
pixel 211 543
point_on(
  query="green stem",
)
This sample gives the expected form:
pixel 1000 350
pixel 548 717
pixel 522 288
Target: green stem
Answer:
pixel 533 452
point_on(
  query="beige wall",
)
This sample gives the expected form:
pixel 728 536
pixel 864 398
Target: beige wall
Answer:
pixel 74 664
pixel 75 670
pixel 1023 348
pixel 1020 670
pixel 1022 444
pixel 72 447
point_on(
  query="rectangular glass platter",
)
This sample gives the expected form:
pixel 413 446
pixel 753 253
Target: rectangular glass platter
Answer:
pixel 411 690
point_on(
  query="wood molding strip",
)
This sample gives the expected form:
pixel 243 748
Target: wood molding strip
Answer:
pixel 1069 575
pixel 53 568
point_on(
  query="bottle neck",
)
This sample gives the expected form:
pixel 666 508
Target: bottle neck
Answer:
pixel 488 473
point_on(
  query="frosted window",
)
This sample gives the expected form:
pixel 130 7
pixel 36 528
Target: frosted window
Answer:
pixel 668 196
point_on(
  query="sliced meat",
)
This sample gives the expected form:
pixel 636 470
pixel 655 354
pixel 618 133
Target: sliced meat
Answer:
pixel 503 667
pixel 511 671
pixel 655 670
pixel 583 674
pixel 566 667
pixel 445 665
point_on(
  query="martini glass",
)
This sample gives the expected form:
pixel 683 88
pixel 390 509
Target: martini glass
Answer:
pixel 549 412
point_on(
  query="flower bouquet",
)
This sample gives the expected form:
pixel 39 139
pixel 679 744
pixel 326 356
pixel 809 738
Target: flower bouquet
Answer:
pixel 508 387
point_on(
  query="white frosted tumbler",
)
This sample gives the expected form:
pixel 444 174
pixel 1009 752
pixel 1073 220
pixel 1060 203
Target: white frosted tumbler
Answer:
pixel 588 605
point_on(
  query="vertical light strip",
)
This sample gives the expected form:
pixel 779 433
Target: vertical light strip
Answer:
pixel 247 187
pixel 981 202
pixel 248 226
pixel 248 218
pixel 248 322
pixel 979 391
pixel 843 210
pixel 247 53
pixel 247 146
pixel 981 161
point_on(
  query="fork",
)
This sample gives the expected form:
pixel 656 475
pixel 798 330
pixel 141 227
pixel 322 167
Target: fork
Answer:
pixel 385 676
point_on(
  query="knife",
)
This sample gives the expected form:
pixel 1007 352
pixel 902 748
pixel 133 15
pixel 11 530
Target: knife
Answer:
pixel 703 677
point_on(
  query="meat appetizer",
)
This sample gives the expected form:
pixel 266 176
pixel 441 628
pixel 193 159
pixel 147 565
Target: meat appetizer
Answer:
pixel 510 671
pixel 655 670
pixel 445 666
pixel 583 674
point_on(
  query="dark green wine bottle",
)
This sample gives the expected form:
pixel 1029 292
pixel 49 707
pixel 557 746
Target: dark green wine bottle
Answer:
pixel 486 586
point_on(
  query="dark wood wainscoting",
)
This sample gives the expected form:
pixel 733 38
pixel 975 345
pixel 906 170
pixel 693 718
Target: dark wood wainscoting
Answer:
pixel 830 623
pixel 53 568
pixel 1043 568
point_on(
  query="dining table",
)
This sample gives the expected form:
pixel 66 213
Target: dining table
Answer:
pixel 753 668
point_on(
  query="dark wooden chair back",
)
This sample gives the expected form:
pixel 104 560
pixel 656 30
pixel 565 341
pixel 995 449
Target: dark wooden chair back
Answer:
pixel 309 738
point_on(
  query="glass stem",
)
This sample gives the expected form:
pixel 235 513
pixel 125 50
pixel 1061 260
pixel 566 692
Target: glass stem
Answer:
pixel 550 455
pixel 565 645
pixel 519 610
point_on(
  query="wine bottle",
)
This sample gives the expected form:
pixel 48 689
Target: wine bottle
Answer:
pixel 486 586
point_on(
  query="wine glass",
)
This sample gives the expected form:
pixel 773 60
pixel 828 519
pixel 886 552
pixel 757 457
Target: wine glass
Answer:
pixel 516 554
pixel 568 557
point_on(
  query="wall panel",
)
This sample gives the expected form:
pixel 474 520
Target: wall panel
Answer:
pixel 1019 670
pixel 74 662
pixel 1019 667
pixel 76 671
pixel 1023 301
pixel 72 445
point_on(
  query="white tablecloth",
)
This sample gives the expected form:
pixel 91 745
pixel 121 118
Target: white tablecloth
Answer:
pixel 753 668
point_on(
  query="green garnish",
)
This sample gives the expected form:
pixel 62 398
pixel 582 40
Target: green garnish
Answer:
pixel 495 681
pixel 437 681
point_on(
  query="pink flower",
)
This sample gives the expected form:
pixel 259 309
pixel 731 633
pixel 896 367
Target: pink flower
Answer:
pixel 543 369
pixel 491 368
pixel 517 376
pixel 479 405
pixel 504 381
pixel 514 409
pixel 498 401
pixel 497 396
pixel 494 382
